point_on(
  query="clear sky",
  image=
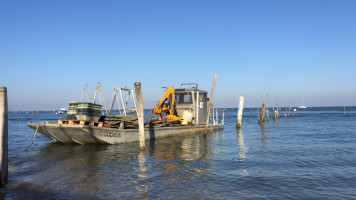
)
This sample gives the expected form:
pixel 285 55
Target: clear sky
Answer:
pixel 50 49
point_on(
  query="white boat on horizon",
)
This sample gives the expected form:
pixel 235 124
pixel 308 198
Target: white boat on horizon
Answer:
pixel 302 106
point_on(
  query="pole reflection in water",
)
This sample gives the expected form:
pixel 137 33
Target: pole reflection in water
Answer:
pixel 263 138
pixel 142 160
pixel 141 187
pixel 242 150
pixel 241 145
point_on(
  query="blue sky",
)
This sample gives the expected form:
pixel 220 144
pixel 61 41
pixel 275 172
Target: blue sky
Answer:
pixel 50 49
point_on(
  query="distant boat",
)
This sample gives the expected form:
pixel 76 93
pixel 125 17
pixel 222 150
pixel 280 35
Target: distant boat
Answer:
pixel 131 110
pixel 61 111
pixel 302 106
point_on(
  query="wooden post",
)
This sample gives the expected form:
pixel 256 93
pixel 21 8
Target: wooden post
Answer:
pixel 278 116
pixel 344 110
pixel 289 107
pixel 239 113
pixel 209 102
pixel 261 117
pixel 267 112
pixel 257 111
pixel 141 127
pixel 263 112
pixel 3 137
pixel 223 118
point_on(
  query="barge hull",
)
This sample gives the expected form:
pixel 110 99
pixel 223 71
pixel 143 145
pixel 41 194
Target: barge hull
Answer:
pixel 83 134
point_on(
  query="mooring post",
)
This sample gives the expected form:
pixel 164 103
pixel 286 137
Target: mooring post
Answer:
pixel 141 127
pixel 267 111
pixel 209 102
pixel 257 110
pixel 3 137
pixel 239 113
pixel 261 116
pixel 344 110
pixel 289 107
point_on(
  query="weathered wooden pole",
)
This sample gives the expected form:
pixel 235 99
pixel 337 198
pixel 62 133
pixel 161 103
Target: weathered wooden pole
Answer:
pixel 267 111
pixel 141 127
pixel 3 137
pixel 278 116
pixel 344 110
pixel 261 117
pixel 289 107
pixel 257 110
pixel 239 113
pixel 209 102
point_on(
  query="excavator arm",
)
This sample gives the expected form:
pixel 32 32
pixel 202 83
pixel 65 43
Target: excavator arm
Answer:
pixel 166 105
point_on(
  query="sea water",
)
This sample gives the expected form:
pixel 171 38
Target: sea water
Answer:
pixel 309 155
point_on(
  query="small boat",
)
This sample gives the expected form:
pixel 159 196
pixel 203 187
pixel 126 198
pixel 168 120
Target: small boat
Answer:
pixel 131 110
pixel 189 103
pixel 61 111
pixel 302 106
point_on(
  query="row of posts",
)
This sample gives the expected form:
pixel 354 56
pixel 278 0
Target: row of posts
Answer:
pixel 264 114
pixel 265 111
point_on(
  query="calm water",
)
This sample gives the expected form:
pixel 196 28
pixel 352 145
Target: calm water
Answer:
pixel 309 156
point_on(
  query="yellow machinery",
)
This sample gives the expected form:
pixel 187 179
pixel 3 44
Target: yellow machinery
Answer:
pixel 166 108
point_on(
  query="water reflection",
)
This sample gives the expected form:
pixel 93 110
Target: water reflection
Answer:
pixel 142 160
pixel 242 151
pixel 182 157
pixel 108 170
pixel 241 145
pixel 141 187
pixel 263 138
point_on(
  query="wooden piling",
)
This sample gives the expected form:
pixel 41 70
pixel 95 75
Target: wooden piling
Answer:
pixel 277 112
pixel 141 127
pixel 262 113
pixel 209 102
pixel 3 137
pixel 258 118
pixel 239 113
pixel 289 107
pixel 344 110
pixel 267 112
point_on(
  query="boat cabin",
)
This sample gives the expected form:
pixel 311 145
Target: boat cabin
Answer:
pixel 193 100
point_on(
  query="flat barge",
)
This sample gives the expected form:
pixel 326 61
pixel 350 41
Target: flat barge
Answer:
pixel 86 134
pixel 189 103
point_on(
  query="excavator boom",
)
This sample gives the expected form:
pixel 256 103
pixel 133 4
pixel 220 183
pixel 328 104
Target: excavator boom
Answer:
pixel 166 105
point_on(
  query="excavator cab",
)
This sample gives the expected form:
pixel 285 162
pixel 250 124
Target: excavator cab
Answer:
pixel 185 103
pixel 191 103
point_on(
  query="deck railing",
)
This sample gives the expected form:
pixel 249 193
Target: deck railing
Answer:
pixel 217 116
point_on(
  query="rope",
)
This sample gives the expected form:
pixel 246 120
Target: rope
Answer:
pixel 33 137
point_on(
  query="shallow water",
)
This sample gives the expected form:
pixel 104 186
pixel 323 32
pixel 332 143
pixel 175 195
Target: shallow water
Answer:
pixel 311 156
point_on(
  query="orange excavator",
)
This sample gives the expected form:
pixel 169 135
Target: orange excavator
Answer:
pixel 165 108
